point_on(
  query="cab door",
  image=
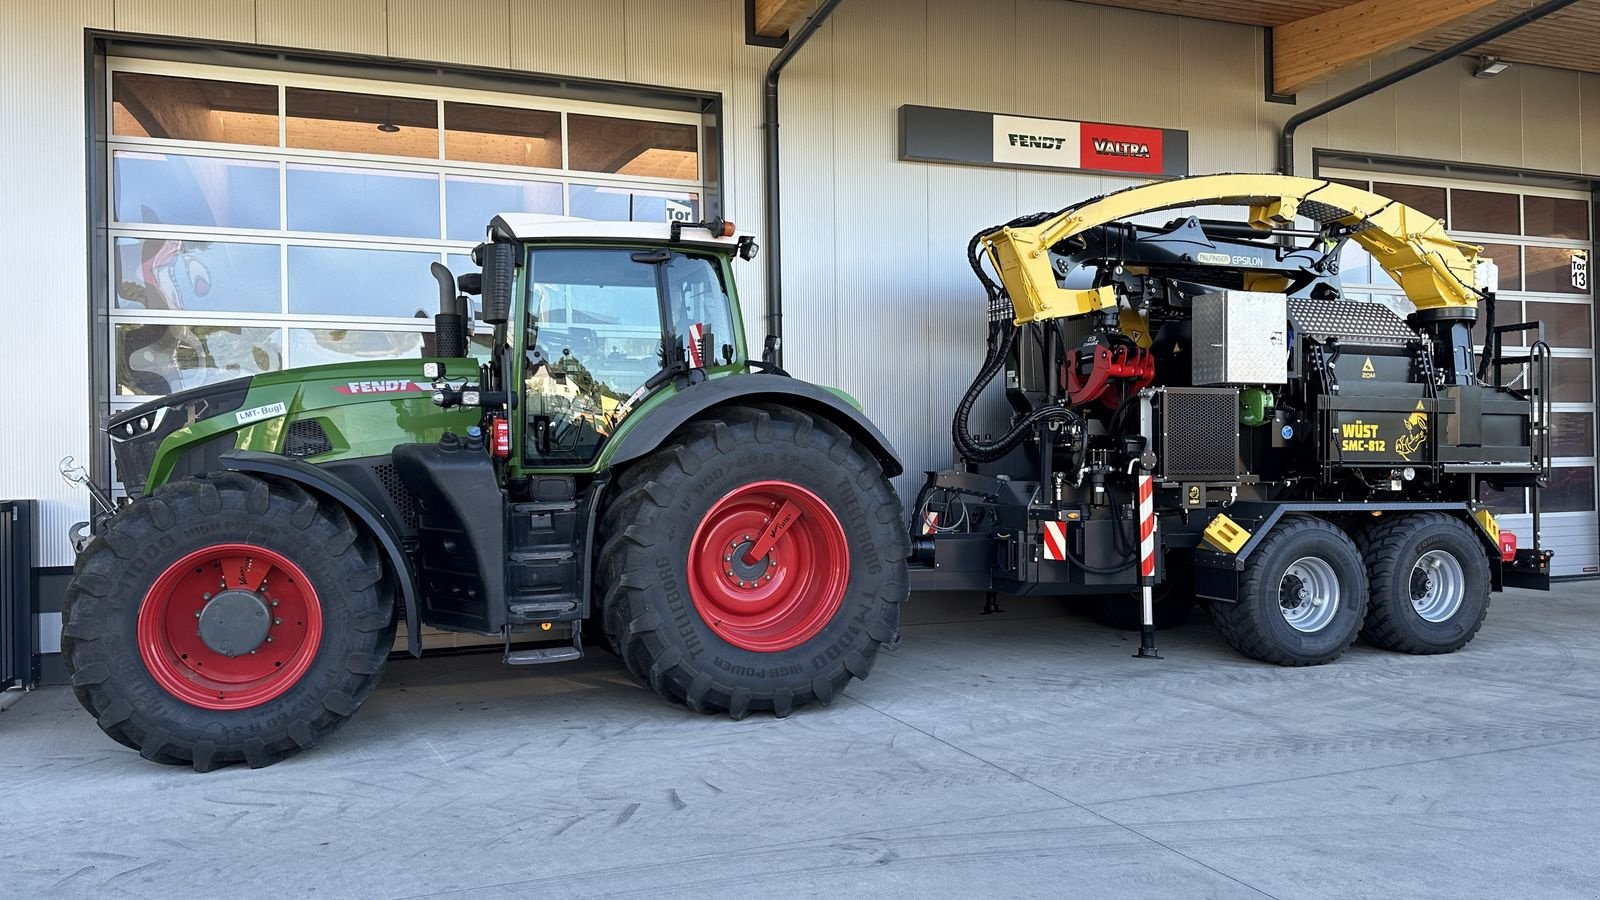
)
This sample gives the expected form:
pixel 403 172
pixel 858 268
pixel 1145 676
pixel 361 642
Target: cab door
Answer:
pixel 598 323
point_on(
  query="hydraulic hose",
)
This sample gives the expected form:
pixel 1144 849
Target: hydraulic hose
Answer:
pixel 1002 336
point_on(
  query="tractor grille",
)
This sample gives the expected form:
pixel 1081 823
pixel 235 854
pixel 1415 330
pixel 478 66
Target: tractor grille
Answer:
pixel 306 438
pixel 1199 434
pixel 399 494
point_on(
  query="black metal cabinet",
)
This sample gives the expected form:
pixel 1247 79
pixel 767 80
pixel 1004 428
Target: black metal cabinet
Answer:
pixel 19 657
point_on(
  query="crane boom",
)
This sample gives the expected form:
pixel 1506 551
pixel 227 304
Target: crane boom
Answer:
pixel 1434 270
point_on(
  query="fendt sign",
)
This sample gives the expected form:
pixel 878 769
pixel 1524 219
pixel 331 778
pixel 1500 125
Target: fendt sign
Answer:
pixel 930 134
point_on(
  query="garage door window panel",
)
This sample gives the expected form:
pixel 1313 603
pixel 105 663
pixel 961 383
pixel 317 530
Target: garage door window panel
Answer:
pixel 193 109
pixel 156 359
pixel 1556 217
pixel 1428 199
pixel 361 281
pixel 320 346
pixel 203 191
pixel 361 201
pixel 502 136
pixel 1571 490
pixel 1485 212
pixel 1571 379
pixel 1572 434
pixel 1550 270
pixel 176 274
pixel 633 147
pixel 470 202
pixel 348 122
pixel 621 204
pixel 1566 325
pixel 1506 311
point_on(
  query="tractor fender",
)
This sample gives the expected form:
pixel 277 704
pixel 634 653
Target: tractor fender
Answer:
pixel 332 487
pixel 691 402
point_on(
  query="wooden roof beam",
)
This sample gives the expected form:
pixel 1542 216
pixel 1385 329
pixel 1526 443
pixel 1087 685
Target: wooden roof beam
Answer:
pixel 1308 50
pixel 774 18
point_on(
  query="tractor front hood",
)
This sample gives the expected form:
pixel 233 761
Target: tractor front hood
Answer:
pixel 364 408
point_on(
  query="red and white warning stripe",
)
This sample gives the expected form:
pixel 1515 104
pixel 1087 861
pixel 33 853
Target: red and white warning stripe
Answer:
pixel 1055 541
pixel 696 359
pixel 930 522
pixel 1147 527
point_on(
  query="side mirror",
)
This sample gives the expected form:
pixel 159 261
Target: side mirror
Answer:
pixel 499 262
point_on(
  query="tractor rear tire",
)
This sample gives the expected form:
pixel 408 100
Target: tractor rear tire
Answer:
pixel 702 623
pixel 1302 598
pixel 1430 584
pixel 300 622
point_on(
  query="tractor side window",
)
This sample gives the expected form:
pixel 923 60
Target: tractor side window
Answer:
pixel 592 336
pixel 696 296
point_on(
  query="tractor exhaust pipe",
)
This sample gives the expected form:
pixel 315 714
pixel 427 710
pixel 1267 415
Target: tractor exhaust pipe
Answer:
pixel 450 325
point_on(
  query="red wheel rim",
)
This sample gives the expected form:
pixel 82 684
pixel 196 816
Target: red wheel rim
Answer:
pixel 785 597
pixel 187 667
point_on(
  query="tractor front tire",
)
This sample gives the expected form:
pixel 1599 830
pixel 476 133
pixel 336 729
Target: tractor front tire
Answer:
pixel 705 623
pixel 226 619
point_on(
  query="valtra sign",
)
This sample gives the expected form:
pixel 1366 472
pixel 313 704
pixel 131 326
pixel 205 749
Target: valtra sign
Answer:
pixel 930 134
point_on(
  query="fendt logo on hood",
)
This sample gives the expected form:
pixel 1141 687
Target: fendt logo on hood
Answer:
pixel 1037 141
pixel 384 386
pixel 1132 149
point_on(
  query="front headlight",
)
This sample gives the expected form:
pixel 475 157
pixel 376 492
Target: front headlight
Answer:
pixel 138 426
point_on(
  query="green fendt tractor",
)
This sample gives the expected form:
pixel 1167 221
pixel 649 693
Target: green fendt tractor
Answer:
pixel 616 467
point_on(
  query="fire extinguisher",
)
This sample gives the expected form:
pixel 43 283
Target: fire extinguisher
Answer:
pixel 500 431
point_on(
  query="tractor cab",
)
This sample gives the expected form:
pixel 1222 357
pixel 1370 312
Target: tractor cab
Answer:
pixel 592 321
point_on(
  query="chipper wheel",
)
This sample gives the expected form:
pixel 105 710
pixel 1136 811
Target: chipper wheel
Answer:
pixel 225 619
pixel 1302 598
pixel 1430 583
pixel 707 607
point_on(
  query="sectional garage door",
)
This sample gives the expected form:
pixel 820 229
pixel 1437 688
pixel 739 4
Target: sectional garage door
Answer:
pixel 261 220
pixel 1540 240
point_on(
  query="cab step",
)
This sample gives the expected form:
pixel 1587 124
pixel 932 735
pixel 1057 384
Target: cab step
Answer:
pixel 545 653
pixel 528 612
pixel 535 656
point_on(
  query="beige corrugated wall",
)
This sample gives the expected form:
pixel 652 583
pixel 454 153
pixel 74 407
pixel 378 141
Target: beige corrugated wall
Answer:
pixel 878 299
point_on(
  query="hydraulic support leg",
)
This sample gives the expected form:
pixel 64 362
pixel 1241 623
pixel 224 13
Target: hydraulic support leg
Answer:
pixel 1147 534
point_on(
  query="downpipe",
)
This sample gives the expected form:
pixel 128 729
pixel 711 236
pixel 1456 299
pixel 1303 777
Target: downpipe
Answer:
pixel 770 160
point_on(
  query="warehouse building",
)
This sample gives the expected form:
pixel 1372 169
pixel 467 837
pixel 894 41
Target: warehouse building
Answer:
pixel 213 188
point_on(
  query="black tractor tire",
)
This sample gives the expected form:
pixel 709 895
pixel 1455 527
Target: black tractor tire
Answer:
pixel 121 570
pixel 1417 559
pixel 1257 624
pixel 1171 601
pixel 668 503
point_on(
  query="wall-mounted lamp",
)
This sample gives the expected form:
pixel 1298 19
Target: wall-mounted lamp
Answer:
pixel 1489 67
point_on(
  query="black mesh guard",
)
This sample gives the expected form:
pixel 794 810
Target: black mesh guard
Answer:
pixel 1199 434
pixel 306 438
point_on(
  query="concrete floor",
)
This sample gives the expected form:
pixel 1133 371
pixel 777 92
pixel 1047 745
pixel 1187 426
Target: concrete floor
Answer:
pixel 1007 757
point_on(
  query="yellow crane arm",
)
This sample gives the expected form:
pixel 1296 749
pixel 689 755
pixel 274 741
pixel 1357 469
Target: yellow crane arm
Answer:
pixel 1434 270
